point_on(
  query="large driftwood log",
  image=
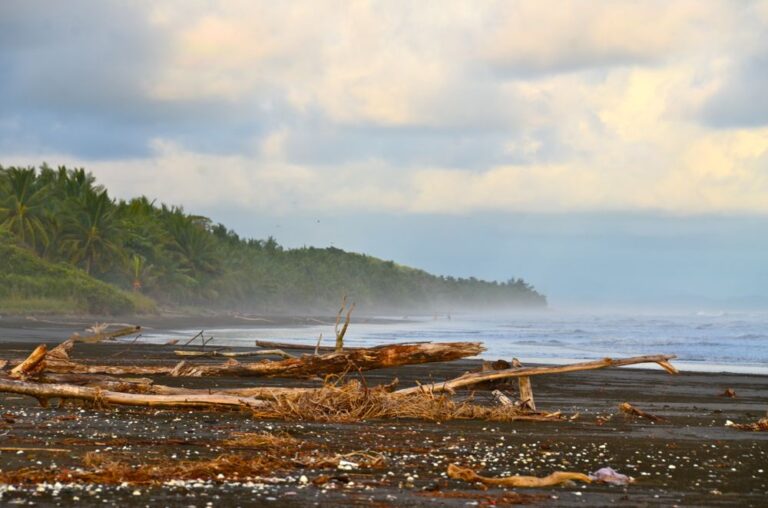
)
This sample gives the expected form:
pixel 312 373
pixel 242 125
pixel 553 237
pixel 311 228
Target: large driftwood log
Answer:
pixel 45 391
pixel 98 337
pixel 307 366
pixel 147 386
pixel 473 378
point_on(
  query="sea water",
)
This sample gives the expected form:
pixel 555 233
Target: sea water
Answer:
pixel 703 341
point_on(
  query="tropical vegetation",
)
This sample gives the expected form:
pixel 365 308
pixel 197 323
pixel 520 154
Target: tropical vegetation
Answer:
pixel 68 239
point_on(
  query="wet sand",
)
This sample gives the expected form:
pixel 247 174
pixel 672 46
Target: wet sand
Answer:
pixel 693 459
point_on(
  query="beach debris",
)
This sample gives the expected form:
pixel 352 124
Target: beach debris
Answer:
pixel 473 378
pixel 347 465
pixel 759 426
pixel 27 449
pixel 116 468
pixel 97 328
pixel 321 349
pixel 602 420
pixel 393 355
pixel 198 334
pixel 729 392
pixel 99 333
pixel 557 478
pixel 526 393
pixel 629 409
pixel 33 363
pixel 502 399
pixel 352 402
pixel 610 475
pixel 341 332
pixel 525 389
pixel 229 354
pixel 45 391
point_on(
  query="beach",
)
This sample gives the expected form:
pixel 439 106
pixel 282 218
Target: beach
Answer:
pixel 691 458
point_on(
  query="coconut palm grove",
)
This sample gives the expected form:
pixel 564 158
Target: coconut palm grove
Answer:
pixel 67 246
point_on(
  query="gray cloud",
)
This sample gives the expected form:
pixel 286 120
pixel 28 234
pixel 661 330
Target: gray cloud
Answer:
pixel 743 100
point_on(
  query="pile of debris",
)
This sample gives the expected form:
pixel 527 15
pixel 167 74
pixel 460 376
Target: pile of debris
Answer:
pixel 53 374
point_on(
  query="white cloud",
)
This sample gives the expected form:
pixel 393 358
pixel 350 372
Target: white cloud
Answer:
pixel 593 106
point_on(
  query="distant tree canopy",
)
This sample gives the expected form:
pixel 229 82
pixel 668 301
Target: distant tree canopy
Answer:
pixel 160 251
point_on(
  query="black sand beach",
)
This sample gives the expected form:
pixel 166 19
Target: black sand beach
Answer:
pixel 691 459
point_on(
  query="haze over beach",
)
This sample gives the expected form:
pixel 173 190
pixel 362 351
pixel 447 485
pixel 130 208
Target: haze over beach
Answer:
pixel 383 252
pixel 611 155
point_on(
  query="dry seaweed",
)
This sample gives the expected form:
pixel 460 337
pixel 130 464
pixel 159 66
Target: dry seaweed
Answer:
pixel 759 426
pixel 353 402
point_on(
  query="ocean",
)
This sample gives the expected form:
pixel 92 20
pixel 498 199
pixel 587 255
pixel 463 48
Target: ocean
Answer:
pixel 703 341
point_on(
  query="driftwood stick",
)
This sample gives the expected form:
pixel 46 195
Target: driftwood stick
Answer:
pixel 190 341
pixel 340 335
pixel 44 391
pixel 263 352
pixel 526 393
pixel 23 449
pixel 629 409
pixel 472 378
pixel 502 398
pixel 324 349
pixel 557 478
pixel 33 363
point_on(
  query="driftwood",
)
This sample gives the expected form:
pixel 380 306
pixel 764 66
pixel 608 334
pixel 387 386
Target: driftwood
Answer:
pixel 627 408
pixel 45 391
pixel 100 336
pixel 34 362
pixel 557 478
pixel 323 349
pixel 502 399
pixel 473 378
pixel 58 361
pixel 229 354
pixel 340 333
pixel 147 386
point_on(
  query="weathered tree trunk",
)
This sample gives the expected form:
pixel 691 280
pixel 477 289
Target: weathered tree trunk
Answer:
pixel 45 391
pixel 479 377
pixel 98 337
pixel 307 366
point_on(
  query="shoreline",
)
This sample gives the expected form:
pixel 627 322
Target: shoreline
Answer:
pixel 158 329
pixel 692 458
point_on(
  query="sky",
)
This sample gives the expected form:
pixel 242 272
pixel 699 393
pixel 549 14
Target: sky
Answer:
pixel 610 153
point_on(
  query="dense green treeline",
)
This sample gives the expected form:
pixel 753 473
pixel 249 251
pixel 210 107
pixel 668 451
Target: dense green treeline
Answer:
pixel 68 222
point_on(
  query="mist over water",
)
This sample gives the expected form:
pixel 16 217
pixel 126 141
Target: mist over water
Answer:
pixel 703 341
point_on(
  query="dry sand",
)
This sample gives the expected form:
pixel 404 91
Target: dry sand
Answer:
pixel 693 459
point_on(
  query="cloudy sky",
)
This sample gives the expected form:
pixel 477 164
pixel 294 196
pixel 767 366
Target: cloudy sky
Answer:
pixel 612 152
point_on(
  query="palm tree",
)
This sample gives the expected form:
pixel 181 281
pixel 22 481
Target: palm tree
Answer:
pixel 141 273
pixel 195 247
pixel 22 204
pixel 93 233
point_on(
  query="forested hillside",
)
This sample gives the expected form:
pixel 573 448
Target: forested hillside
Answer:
pixel 68 223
